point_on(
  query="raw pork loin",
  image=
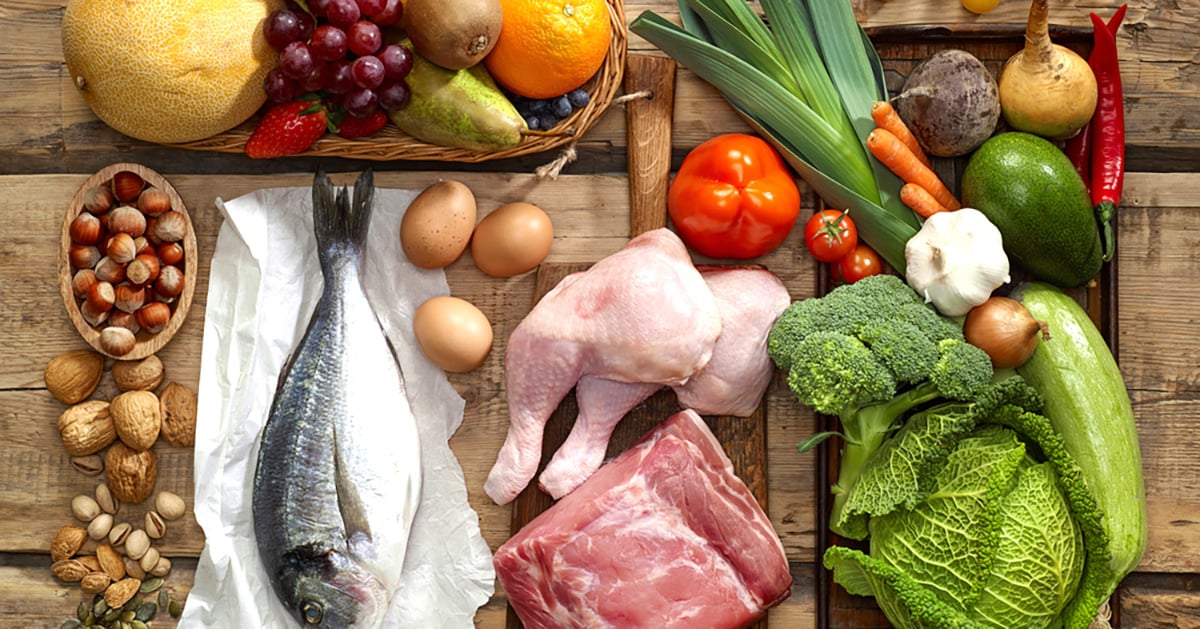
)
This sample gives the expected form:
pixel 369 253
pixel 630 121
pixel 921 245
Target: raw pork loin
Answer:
pixel 732 383
pixel 666 535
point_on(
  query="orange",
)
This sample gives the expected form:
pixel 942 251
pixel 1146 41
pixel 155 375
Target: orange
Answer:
pixel 549 47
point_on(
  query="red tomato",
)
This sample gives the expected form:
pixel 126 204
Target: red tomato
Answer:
pixel 733 197
pixel 860 263
pixel 830 235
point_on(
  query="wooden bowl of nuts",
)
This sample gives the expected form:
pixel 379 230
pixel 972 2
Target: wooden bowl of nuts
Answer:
pixel 127 261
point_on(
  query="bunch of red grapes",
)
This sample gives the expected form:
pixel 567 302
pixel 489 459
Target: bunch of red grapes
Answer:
pixel 336 49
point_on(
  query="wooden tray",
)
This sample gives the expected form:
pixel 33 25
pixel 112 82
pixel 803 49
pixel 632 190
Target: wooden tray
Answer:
pixel 390 143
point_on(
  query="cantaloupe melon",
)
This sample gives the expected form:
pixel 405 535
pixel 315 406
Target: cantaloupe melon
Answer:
pixel 169 71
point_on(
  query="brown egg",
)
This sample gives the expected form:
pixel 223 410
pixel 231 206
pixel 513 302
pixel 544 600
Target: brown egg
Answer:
pixel 452 333
pixel 437 225
pixel 512 240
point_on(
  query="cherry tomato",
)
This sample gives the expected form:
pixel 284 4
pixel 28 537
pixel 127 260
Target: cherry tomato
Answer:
pixel 860 263
pixel 830 235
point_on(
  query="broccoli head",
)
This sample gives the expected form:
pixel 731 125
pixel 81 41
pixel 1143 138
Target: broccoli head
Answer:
pixel 833 372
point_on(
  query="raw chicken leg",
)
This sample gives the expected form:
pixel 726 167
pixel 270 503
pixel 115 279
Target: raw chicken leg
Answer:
pixel 733 382
pixel 643 314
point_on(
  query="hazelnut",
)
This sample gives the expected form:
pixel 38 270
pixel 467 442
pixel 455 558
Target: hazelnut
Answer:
pixel 153 202
pixel 127 219
pixel 85 508
pixel 86 427
pixel 122 319
pixel 170 506
pixel 85 229
pixel 138 375
pixel 104 497
pixel 131 474
pixel 137 418
pixel 128 297
pixel 153 317
pixel 82 281
pixel 143 269
pixel 98 199
pixel 117 341
pixel 170 282
pixel 99 527
pixel 109 270
pixel 120 248
pixel 170 253
pixel 95 318
pixel 67 542
pixel 170 227
pixel 178 403
pixel 73 375
pixel 101 297
pixel 127 185
pixel 83 256
pixel 144 246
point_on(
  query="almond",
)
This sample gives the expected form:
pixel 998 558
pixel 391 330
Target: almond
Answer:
pixel 72 376
pixel 90 561
pixel 69 570
pixel 178 403
pixel 86 427
pixel 137 418
pixel 119 593
pixel 111 562
pixel 67 542
pixel 131 474
pixel 94 583
pixel 138 375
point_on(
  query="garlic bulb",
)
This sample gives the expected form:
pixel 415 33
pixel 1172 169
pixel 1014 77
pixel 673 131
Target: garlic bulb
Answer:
pixel 956 260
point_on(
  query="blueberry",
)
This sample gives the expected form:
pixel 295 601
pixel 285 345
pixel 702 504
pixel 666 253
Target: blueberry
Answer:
pixel 533 122
pixel 561 107
pixel 539 106
pixel 547 121
pixel 579 98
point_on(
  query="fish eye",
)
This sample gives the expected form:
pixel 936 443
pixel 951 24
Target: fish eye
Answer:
pixel 312 612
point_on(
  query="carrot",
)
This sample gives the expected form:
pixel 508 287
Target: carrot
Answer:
pixel 892 153
pixel 920 200
pixel 885 117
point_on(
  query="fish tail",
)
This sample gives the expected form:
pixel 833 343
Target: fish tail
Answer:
pixel 339 223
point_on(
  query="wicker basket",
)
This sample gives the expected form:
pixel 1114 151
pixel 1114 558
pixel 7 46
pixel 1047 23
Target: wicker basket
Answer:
pixel 391 143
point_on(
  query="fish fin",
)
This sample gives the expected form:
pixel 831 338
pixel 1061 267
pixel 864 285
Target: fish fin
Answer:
pixel 350 503
pixel 339 223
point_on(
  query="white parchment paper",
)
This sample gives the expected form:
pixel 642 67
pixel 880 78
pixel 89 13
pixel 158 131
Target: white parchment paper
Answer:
pixel 263 287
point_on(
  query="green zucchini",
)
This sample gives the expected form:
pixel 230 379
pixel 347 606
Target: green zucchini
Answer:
pixel 1086 401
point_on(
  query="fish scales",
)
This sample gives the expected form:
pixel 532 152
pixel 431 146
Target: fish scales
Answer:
pixel 338 476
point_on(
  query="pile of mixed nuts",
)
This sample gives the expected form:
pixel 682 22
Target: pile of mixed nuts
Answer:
pixel 123 562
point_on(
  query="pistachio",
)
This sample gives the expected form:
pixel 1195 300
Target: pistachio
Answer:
pixel 100 526
pixel 120 592
pixel 104 497
pixel 94 582
pixel 67 542
pixel 111 562
pixel 119 532
pixel 85 508
pixel 169 505
pixel 137 544
pixel 156 526
pixel 162 568
pixel 69 570
pixel 149 559
pixel 134 569
pixel 90 465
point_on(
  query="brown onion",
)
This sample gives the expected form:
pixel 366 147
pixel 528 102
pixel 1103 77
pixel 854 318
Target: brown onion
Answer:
pixel 1005 330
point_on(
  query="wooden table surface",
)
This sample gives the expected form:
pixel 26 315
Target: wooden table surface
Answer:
pixel 50 143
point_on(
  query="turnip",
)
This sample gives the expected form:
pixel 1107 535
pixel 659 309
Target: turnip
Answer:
pixel 950 103
pixel 1045 88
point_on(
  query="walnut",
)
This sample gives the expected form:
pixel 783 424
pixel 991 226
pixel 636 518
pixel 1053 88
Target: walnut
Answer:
pixel 138 375
pixel 86 427
pixel 137 418
pixel 178 415
pixel 131 474
pixel 72 376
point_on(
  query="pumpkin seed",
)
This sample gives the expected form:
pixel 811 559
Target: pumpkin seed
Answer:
pixel 163 598
pixel 137 624
pixel 100 606
pixel 81 613
pixel 175 609
pixel 146 611
pixel 71 623
pixel 151 584
pixel 128 615
pixel 111 615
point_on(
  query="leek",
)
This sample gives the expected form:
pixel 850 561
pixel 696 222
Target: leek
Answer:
pixel 806 84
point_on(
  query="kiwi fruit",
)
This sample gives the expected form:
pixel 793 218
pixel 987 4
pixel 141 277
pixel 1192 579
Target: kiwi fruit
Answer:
pixel 454 34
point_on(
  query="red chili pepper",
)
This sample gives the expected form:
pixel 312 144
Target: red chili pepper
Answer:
pixel 1079 148
pixel 1107 130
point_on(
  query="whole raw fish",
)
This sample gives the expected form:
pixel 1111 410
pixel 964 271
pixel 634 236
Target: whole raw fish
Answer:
pixel 339 470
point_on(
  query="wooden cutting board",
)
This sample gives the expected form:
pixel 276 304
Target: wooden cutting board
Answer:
pixel 744 438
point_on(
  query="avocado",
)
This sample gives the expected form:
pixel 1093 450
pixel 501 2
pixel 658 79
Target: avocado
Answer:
pixel 458 108
pixel 1029 189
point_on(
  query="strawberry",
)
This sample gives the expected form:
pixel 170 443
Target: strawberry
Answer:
pixel 287 129
pixel 351 127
